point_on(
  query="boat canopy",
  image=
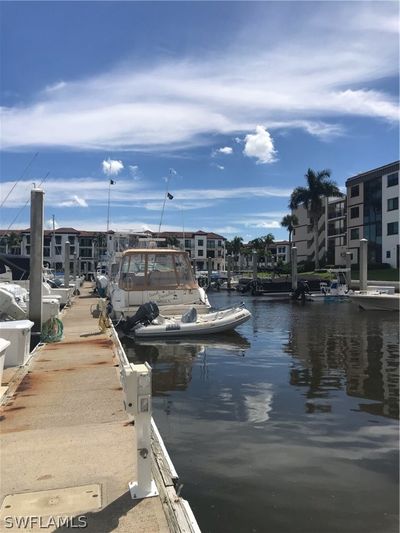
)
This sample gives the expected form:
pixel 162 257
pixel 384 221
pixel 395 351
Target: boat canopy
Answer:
pixel 154 269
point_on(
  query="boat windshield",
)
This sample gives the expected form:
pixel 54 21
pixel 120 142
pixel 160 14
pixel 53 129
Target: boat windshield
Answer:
pixel 151 271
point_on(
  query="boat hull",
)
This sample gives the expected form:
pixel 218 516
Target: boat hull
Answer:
pixel 211 323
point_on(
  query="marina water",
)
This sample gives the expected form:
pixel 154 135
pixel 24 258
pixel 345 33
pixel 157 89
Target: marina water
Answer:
pixel 289 424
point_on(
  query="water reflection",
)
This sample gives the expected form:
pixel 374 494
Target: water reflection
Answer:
pixel 357 352
pixel 172 360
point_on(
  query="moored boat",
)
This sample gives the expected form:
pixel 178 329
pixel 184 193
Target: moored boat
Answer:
pixel 161 275
pixel 149 323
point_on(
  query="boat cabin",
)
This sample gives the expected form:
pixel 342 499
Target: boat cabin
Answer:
pixel 154 269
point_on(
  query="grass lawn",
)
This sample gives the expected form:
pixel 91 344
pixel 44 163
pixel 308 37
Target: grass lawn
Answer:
pixel 389 274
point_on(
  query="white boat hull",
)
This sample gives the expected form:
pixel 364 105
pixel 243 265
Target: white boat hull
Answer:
pixel 377 302
pixel 207 324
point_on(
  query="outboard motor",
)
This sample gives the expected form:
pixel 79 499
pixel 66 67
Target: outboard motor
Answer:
pixel 301 291
pixel 144 315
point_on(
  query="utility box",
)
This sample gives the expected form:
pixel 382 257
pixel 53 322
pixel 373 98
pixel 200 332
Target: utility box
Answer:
pixel 136 383
pixel 18 332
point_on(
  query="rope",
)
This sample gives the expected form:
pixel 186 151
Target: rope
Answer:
pixel 52 330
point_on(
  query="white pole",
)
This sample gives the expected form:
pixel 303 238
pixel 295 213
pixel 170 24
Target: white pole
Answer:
pixel 363 264
pixel 293 254
pixel 66 263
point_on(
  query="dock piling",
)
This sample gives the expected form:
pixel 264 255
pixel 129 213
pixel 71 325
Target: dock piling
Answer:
pixel 255 260
pixel 293 259
pixel 363 264
pixel 229 271
pixel 209 268
pixel 348 269
pixel 36 260
pixel 67 254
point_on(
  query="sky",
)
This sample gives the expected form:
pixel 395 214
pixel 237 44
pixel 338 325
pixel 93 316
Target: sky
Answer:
pixel 224 104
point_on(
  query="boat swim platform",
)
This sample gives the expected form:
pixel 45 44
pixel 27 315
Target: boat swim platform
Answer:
pixel 67 445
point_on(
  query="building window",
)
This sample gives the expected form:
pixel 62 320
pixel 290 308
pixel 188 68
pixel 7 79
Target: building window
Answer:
pixel 58 239
pixel 354 234
pixel 200 242
pixel 219 243
pixel 355 191
pixel 393 228
pixel 200 253
pixel 388 254
pixel 393 204
pixel 354 212
pixel 392 179
pixel 188 243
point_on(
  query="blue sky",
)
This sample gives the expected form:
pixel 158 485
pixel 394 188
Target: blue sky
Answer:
pixel 232 100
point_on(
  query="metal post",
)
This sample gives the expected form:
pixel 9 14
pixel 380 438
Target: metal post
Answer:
pixel 348 269
pixel 229 272
pixel 75 267
pixel 293 257
pixel 66 263
pixel 255 260
pixel 363 264
pixel 209 268
pixel 36 260
pixel 136 382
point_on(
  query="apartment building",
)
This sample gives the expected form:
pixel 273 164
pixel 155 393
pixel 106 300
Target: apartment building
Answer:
pixel 90 248
pixel 280 252
pixel 200 245
pixel 373 214
pixel 332 237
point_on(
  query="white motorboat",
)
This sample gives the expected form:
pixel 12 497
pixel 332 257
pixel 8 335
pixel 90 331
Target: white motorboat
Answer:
pixel 376 300
pixel 335 289
pixel 160 275
pixel 148 323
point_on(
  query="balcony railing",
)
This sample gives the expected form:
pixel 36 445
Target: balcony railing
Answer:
pixel 336 214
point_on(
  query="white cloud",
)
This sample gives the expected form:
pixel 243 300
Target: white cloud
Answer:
pixel 127 192
pixel 135 172
pixel 260 146
pixel 49 224
pixel 112 167
pixel 226 150
pixel 266 79
pixel 75 201
pixel 220 167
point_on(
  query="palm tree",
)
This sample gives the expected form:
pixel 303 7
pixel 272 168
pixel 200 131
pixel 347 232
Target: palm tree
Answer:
pixel 319 187
pixel 235 247
pixel 267 241
pixel 13 241
pixel 288 222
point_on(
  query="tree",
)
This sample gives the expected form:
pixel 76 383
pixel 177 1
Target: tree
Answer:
pixel 267 241
pixel 13 241
pixel 234 247
pixel 172 240
pixel 319 186
pixel 288 222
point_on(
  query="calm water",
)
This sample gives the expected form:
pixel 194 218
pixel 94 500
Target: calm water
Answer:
pixel 289 425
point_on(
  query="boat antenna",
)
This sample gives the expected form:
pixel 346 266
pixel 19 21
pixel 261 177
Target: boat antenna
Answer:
pixel 20 178
pixel 166 195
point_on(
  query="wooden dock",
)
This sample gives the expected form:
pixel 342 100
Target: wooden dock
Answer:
pixel 67 447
